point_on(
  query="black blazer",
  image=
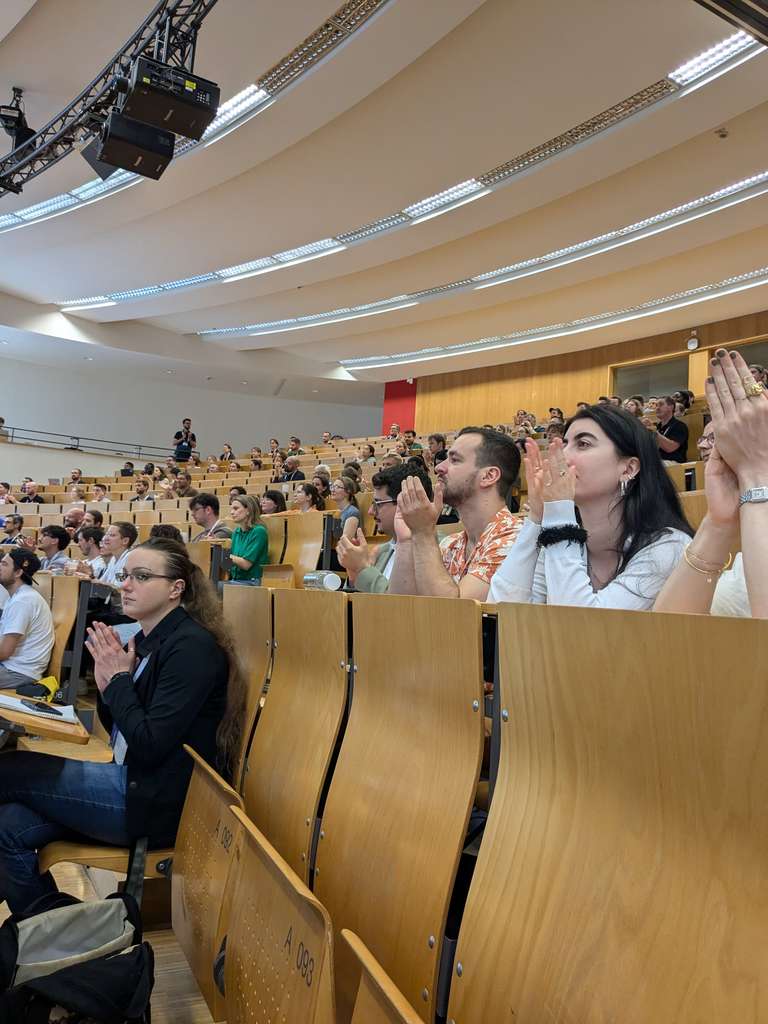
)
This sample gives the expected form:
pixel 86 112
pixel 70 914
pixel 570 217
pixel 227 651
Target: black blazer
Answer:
pixel 179 698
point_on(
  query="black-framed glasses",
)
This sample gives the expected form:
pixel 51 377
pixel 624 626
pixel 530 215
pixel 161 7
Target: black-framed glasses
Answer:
pixel 141 577
pixel 706 441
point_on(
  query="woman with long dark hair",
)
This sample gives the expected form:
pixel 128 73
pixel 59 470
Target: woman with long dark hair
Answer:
pixel 177 683
pixel 605 528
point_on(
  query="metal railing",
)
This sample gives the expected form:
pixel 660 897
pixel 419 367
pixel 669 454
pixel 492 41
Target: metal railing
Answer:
pixel 91 445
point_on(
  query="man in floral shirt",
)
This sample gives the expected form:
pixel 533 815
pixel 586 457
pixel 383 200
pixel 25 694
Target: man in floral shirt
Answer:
pixel 476 478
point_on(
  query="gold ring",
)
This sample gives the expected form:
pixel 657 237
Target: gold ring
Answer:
pixel 753 388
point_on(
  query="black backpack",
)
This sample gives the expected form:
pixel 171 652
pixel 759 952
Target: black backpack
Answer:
pixel 87 959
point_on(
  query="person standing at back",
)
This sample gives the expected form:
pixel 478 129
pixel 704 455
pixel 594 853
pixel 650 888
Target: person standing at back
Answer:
pixel 184 441
pixel 671 433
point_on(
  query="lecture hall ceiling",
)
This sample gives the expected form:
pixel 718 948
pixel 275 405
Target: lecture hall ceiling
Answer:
pixel 458 171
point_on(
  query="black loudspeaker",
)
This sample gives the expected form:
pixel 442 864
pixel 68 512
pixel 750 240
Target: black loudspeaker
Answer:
pixel 134 146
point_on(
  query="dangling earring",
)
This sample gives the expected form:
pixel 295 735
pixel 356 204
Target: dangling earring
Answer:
pixel 623 488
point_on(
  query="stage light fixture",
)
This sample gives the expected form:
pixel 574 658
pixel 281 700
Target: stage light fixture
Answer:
pixel 134 146
pixel 14 121
pixel 170 98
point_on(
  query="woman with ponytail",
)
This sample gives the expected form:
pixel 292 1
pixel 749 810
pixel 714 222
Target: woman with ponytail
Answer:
pixel 177 683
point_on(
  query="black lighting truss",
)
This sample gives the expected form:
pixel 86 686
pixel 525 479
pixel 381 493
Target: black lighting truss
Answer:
pixel 168 34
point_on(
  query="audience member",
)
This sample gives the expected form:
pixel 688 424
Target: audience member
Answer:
pixel 556 415
pixel 709 579
pixel 250 541
pixel 394 432
pixel 369 569
pixel 76 476
pixel 705 443
pixel 354 472
pixel 116 544
pixel 73 520
pixel 184 441
pixel 213 466
pixel 476 479
pixel 89 540
pixel 554 430
pixel 274 446
pixel 649 409
pixel 13 527
pixel 671 433
pixel 235 491
pixel 368 455
pixel 167 531
pixel 183 487
pixel 205 512
pixel 256 465
pixel 143 492
pixel 76 494
pixel 53 541
pixel 272 502
pixel 326 437
pixel 177 684
pixel 256 452
pixel 31 493
pixel 195 460
pixel 100 495
pixel 26 627
pixel 759 373
pixel 604 400
pixel 294 447
pixel 437 449
pixel 580 406
pixel 306 498
pixel 634 408
pixel 93 517
pixel 233 467
pixel 390 460
pixel 322 481
pixel 292 471
pixel 605 527
pixel 343 492
pixel 401 449
pixel 278 469
pixel 6 495
pixel 149 470
pixel 616 401
pixel 409 438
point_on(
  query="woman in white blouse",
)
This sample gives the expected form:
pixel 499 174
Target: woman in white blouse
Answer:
pixel 605 528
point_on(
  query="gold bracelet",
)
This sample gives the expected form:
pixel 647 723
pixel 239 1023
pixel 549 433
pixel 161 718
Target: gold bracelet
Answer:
pixel 710 571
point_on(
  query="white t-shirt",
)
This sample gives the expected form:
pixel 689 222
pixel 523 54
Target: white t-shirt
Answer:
pixel 27 614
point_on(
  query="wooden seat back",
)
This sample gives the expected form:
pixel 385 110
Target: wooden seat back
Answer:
pixel 279 963
pixel 64 594
pixel 298 727
pixel 694 506
pixel 248 614
pixel 304 542
pixel 402 789
pixel 43 583
pixel 378 1000
pixel 275 526
pixel 678 474
pixel 624 865
pixel 202 856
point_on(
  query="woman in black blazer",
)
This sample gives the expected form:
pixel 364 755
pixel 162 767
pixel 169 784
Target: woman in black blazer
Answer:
pixel 178 682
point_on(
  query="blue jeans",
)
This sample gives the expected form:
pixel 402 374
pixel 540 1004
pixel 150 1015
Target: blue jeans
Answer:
pixel 43 799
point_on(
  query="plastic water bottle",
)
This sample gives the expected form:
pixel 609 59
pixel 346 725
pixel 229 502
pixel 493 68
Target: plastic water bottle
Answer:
pixel 322 579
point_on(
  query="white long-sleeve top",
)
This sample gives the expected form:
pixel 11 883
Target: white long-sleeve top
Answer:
pixel 558 573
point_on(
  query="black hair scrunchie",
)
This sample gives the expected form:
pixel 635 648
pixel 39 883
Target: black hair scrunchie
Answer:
pixel 555 534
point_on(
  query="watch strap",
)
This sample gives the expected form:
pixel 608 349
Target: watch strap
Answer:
pixel 754 494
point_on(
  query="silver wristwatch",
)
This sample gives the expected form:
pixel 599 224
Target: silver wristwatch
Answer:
pixel 753 494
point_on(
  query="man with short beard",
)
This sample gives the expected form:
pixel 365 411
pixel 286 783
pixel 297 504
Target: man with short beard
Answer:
pixel 482 466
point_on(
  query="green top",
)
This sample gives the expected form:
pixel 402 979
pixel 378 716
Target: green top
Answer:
pixel 252 544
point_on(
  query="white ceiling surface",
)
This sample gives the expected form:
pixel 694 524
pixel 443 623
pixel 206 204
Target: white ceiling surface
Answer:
pixel 425 96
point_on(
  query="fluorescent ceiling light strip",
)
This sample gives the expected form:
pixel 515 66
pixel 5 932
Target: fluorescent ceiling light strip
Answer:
pixel 452 206
pixel 88 305
pixel 678 300
pixel 725 56
pixel 714 202
pixel 331 320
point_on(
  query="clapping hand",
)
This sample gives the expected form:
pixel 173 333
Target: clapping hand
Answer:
pixel 109 658
pixel 418 512
pixel 722 491
pixel 558 478
pixel 354 554
pixel 740 419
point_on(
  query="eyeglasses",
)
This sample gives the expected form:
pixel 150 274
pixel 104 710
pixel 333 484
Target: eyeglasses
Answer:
pixel 141 577
pixel 378 502
pixel 706 441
